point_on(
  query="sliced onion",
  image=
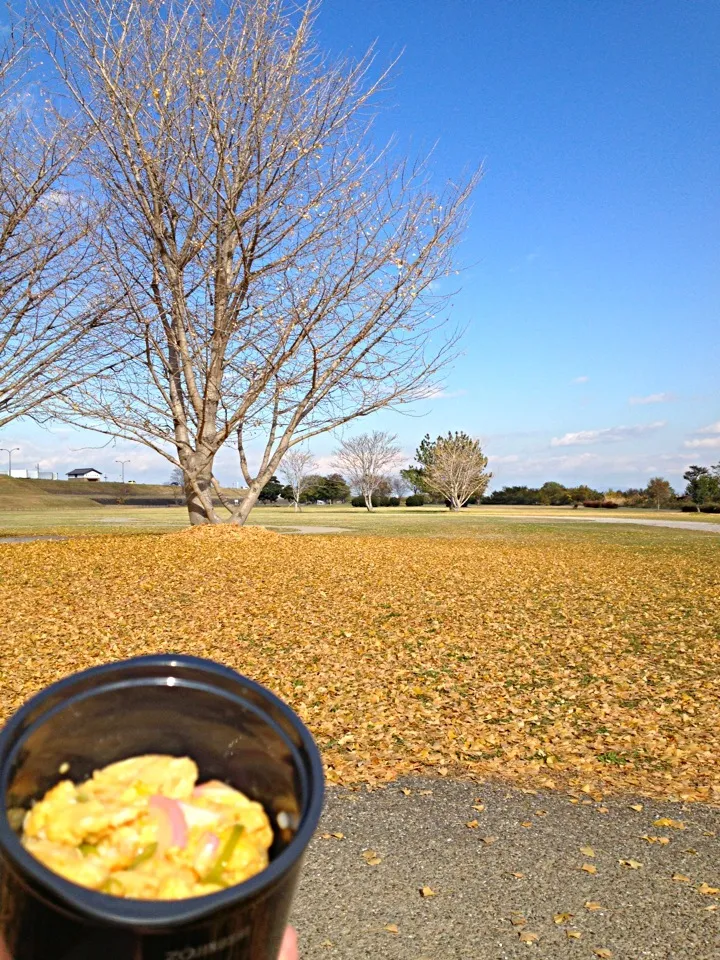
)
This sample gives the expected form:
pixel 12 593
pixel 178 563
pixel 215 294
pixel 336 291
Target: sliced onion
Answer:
pixel 202 788
pixel 209 843
pixel 172 828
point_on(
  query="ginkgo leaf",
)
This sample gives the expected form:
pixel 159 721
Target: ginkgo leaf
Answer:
pixel 427 892
pixel 707 890
pixel 518 920
pixel 573 934
pixel 592 905
pixel 479 807
pixel 589 868
pixel 562 917
pixel 472 824
pixel 406 792
pixel 603 953
pixel 681 878
pixel 667 822
pixel 392 928
pixel 489 840
pixel 527 936
pixel 636 806
pixel 631 864
pixel 527 824
pixel 587 851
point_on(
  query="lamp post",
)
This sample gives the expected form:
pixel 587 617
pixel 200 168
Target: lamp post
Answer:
pixel 122 467
pixel 9 452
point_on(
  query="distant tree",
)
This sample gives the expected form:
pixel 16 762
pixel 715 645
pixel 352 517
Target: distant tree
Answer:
pixel 271 491
pixel 399 485
pixel 554 494
pixel 177 478
pixel 413 477
pixel 659 491
pixel 334 489
pixel 365 460
pixel 514 495
pixel 296 468
pixel 453 467
pixel 703 486
pixel 579 494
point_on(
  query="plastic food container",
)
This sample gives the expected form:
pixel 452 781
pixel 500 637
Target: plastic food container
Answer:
pixel 234 729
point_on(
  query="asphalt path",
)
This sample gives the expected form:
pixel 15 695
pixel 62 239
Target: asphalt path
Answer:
pixel 542 875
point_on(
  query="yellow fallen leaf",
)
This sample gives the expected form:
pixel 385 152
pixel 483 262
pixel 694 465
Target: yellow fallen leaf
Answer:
pixel 518 920
pixel 407 794
pixel 338 836
pixel 562 917
pixel 589 868
pixel 479 807
pixel 526 936
pixel 488 840
pixel 707 890
pixel 392 928
pixel 426 793
pixel 371 858
pixel 663 841
pixel 573 934
pixel 630 864
pixel 427 892
pixel 527 824
pixel 592 905
pixel 681 878
pixel 603 810
pixel 518 876
pixel 587 851
pixel 667 822
pixel 636 806
pixel 472 824
pixel 603 952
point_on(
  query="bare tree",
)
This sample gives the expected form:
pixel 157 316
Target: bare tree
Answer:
pixel 296 469
pixel 399 485
pixel 453 466
pixel 280 270
pixel 365 460
pixel 49 302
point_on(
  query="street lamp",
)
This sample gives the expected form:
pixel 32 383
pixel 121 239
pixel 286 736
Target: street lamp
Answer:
pixel 122 467
pixel 9 452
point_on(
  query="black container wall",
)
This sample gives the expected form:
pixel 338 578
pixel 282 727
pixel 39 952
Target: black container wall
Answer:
pixel 234 729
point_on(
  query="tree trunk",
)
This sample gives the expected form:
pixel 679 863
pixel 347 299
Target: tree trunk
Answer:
pixel 368 502
pixel 246 506
pixel 199 504
pixel 296 504
pixel 455 504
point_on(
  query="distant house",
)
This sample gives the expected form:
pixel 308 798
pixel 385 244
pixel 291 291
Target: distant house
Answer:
pixel 85 473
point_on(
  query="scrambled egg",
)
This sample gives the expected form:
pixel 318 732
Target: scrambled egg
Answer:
pixel 143 828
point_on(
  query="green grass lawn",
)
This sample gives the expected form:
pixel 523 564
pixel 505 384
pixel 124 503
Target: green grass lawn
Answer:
pixel 511 522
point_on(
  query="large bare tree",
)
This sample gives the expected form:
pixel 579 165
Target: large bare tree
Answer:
pixel 366 459
pixel 454 467
pixel 280 269
pixel 49 300
pixel 296 470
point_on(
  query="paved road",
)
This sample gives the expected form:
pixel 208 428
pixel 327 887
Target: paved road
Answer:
pixel 639 521
pixel 485 890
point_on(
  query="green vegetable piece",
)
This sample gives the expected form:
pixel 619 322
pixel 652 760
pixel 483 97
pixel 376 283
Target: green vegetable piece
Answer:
pixel 215 873
pixel 83 798
pixel 113 887
pixel 86 849
pixel 144 855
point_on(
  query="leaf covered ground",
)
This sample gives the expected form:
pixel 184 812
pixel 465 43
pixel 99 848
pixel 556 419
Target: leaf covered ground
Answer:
pixel 546 661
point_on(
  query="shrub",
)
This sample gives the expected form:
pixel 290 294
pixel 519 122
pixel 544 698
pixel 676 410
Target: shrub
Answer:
pixel 415 500
pixel 710 508
pixel 591 503
pixel 609 504
pixel 689 508
pixel 358 501
pixel 394 502
pixel 380 501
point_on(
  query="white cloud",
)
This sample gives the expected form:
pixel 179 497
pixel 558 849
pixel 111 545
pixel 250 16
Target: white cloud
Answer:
pixel 605 435
pixel 509 458
pixel 437 393
pixel 711 428
pixel 707 443
pixel 580 379
pixel 652 398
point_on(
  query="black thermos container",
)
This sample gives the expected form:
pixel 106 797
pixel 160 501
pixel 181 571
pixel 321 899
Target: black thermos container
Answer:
pixel 234 729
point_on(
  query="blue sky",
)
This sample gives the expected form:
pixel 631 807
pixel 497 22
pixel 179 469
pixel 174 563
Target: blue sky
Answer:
pixel 592 292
